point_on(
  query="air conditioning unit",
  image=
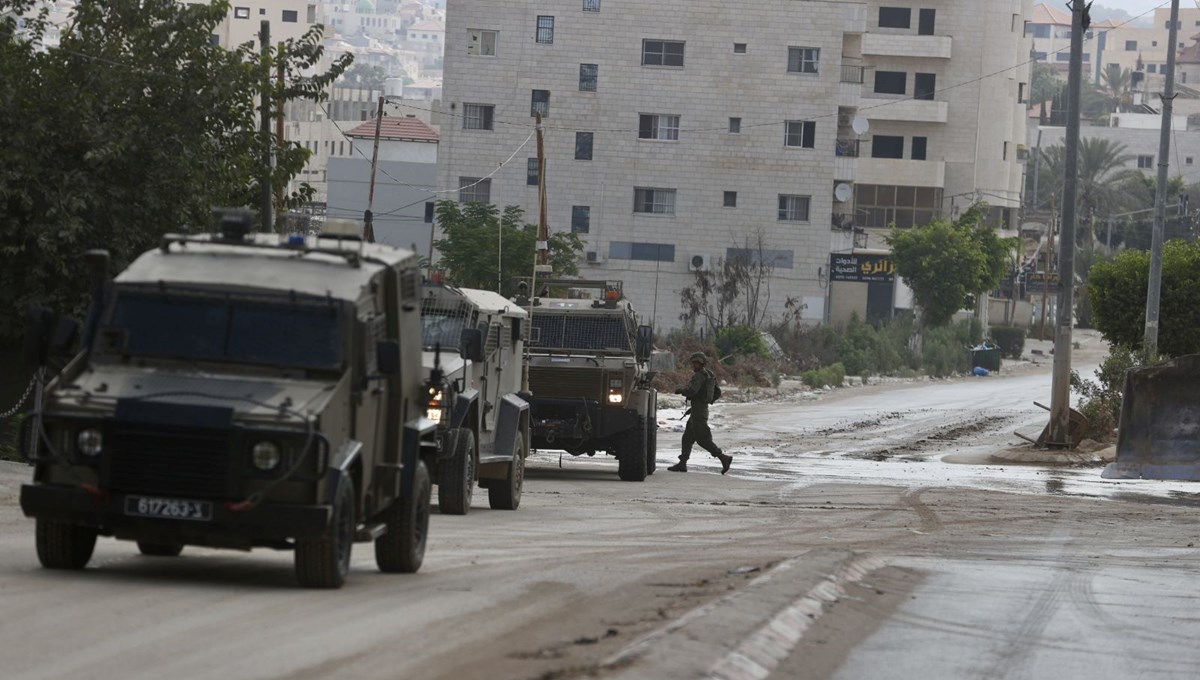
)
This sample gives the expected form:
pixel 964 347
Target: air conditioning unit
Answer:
pixel 1022 152
pixel 845 120
pixel 700 263
pixel 594 257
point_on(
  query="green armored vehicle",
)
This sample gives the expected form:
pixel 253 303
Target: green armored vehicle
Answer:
pixel 241 391
pixel 588 376
pixel 473 341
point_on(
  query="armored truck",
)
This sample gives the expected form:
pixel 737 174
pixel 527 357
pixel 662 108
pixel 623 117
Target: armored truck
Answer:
pixel 241 390
pixel 473 341
pixel 588 376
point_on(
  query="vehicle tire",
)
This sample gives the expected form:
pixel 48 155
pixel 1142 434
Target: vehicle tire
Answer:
pixel 324 562
pixel 652 436
pixel 61 545
pixel 505 494
pixel 159 549
pixel 456 475
pixel 401 549
pixel 631 463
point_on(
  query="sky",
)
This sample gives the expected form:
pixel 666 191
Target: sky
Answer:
pixel 1136 7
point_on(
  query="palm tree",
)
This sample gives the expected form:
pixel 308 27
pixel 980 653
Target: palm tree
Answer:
pixel 1117 85
pixel 1103 180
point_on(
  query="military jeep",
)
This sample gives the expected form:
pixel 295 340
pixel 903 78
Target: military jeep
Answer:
pixel 473 340
pixel 588 376
pixel 239 391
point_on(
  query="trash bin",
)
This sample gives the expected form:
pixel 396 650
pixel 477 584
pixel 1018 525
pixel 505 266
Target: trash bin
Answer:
pixel 986 357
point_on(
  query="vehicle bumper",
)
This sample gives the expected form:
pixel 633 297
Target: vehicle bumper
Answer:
pixel 267 522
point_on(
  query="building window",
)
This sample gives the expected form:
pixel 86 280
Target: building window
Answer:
pixel 214 39
pixel 924 85
pixel 887 146
pixel 531 172
pixel 730 199
pixel 591 5
pixel 918 148
pixel 793 208
pixel 482 43
pixel 739 48
pixel 1004 153
pixel 662 53
pixel 1131 46
pixel 800 133
pixel 658 126
pixel 262 11
pixel 1151 68
pixel 1039 56
pixel 891 82
pixel 883 205
pixel 1145 162
pixel 1040 30
pixel 290 16
pixel 540 103
pixel 581 219
pixel 654 201
pixel 474 190
pixel 1020 93
pixel 341 149
pixel 1062 56
pixel 583 146
pixel 927 18
pixel 735 125
pixel 803 59
pixel 1154 43
pixel 545 30
pixel 312 14
pixel 895 17
pixel 761 257
pixel 478 116
pixel 430 211
pixel 1187 161
pixel 587 77
pixel 241 12
pixel 652 252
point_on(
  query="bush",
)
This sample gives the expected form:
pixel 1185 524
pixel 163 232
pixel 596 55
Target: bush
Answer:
pixel 833 375
pixel 1100 402
pixel 808 347
pixel 1010 339
pixel 945 348
pixel 740 341
pixel 1117 292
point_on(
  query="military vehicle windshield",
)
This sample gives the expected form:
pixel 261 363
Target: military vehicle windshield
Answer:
pixel 443 326
pixel 229 329
pixel 580 332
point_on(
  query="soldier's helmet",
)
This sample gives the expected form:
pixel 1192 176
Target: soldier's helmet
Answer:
pixel 700 357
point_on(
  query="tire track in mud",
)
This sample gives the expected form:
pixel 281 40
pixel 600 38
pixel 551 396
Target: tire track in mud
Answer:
pixel 928 441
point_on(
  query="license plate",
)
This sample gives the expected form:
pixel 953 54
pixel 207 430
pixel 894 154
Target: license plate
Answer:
pixel 168 508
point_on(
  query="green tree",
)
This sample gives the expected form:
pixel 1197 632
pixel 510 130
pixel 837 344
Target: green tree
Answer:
pixel 366 76
pixel 482 246
pixel 1103 184
pixel 947 264
pixel 133 126
pixel 1117 291
pixel 1117 85
pixel 1044 84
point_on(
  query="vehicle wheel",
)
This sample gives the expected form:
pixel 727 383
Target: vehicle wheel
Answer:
pixel 456 475
pixel 401 549
pixel 652 436
pixel 505 494
pixel 631 464
pixel 61 545
pixel 325 562
pixel 159 549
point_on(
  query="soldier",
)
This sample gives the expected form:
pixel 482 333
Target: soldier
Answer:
pixel 700 392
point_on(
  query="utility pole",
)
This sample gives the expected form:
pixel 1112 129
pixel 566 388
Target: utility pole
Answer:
pixel 1057 432
pixel 279 190
pixel 1037 165
pixel 1160 193
pixel 368 217
pixel 267 200
pixel 1049 263
pixel 542 246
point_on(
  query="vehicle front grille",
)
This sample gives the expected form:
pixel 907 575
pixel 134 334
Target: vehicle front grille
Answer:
pixel 169 461
pixel 566 383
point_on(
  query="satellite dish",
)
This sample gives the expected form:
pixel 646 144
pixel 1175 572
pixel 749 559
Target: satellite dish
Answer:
pixel 842 192
pixel 859 125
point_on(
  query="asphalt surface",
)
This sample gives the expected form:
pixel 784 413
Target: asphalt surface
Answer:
pixel 842 545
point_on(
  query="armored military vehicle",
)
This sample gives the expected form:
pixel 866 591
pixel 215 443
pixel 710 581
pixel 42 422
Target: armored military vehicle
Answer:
pixel 473 340
pixel 239 391
pixel 588 376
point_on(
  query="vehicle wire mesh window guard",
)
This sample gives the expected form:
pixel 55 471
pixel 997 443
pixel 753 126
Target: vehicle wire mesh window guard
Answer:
pixel 580 332
pixel 587 77
pixel 545 30
pixel 662 53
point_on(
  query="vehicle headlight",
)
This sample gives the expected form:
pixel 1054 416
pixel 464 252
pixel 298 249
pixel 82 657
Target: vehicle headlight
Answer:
pixel 90 442
pixel 615 397
pixel 266 456
pixel 434 408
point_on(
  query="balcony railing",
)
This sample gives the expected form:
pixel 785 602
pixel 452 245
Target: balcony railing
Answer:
pixel 852 74
pixel 841 222
pixel 846 148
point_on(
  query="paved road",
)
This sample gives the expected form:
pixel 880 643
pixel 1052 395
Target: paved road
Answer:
pixel 843 546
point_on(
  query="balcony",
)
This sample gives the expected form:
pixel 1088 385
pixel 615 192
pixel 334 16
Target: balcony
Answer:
pixel 876 107
pixel 846 147
pixel 852 73
pixel 901 171
pixel 907 45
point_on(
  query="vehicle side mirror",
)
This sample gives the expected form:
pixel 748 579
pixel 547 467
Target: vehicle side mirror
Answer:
pixel 645 342
pixel 387 357
pixel 38 332
pixel 471 344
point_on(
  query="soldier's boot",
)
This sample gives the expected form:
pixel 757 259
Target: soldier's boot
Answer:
pixel 681 466
pixel 726 461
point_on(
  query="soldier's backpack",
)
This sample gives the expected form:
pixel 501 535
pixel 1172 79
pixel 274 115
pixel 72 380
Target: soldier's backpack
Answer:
pixel 716 387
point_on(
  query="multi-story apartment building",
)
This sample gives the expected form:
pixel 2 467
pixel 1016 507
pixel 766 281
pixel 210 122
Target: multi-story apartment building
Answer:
pixel 1050 30
pixel 680 134
pixel 289 19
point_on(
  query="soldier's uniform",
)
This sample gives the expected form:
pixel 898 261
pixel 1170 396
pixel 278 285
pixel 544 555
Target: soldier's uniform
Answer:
pixel 699 393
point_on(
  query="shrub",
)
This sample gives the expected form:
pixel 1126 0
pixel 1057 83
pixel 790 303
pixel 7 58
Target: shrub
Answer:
pixel 807 347
pixel 741 341
pixel 944 350
pixel 1117 292
pixel 1100 402
pixel 833 375
pixel 1010 339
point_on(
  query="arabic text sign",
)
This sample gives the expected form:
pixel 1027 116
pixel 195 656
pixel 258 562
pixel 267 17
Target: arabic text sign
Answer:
pixel 856 267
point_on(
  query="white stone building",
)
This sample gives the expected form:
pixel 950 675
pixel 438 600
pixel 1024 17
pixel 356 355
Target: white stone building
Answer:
pixel 289 19
pixel 677 132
